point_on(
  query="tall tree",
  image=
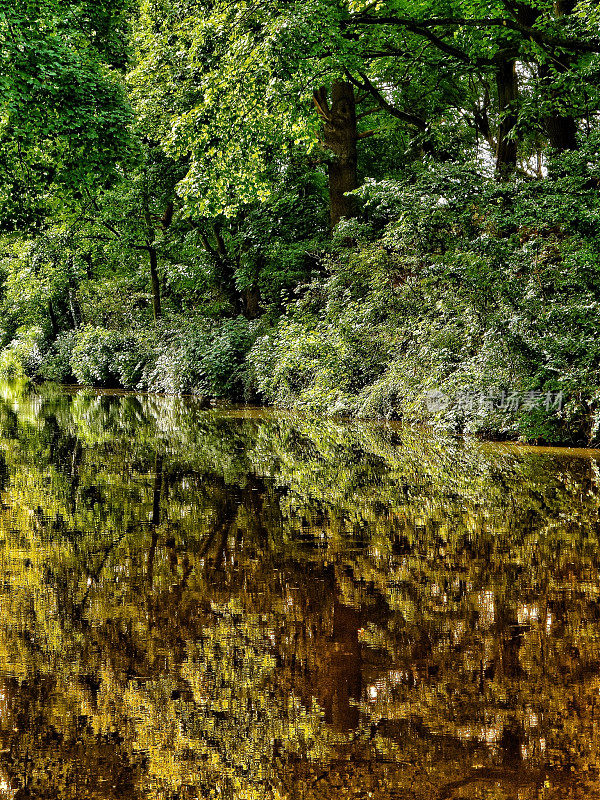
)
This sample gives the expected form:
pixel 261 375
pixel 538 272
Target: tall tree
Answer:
pixel 65 114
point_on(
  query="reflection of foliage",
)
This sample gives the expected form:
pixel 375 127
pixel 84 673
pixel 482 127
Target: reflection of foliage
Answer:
pixel 219 735
pixel 225 604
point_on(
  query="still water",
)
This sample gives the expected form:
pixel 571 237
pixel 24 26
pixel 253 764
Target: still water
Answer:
pixel 240 605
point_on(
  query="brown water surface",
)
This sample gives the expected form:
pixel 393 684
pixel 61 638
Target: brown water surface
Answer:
pixel 206 604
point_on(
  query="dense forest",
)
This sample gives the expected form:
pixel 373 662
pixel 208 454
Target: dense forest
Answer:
pixel 341 206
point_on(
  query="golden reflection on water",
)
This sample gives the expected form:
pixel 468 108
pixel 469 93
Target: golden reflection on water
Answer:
pixel 200 604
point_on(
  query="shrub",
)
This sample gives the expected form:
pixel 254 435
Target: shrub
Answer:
pixel 56 365
pixel 11 367
pixel 203 357
pixel 23 356
pixel 455 284
pixel 93 355
pixel 103 357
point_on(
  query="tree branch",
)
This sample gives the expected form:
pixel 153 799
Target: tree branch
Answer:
pixel 422 28
pixel 367 86
pixel 320 101
pixel 368 113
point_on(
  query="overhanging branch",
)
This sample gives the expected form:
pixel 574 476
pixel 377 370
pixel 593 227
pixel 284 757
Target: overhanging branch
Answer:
pixel 423 28
pixel 366 85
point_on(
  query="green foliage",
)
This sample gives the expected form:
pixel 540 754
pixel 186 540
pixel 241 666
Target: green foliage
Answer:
pixel 458 284
pixel 23 356
pixel 181 356
pixel 65 118
pixel 102 357
pixel 167 172
pixel 204 359
pixel 56 365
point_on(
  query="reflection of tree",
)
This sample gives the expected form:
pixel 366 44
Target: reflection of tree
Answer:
pixel 199 605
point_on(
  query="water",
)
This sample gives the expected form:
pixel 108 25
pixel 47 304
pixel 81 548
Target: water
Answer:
pixel 236 604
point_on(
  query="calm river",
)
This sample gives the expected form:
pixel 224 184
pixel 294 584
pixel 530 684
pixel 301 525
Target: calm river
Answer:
pixel 239 605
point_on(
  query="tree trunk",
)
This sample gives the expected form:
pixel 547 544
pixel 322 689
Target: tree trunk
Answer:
pixel 508 92
pixel 561 129
pixel 340 136
pixel 156 305
pixel 225 266
pixel 251 302
pixel 74 307
pixel 53 322
pixel 562 7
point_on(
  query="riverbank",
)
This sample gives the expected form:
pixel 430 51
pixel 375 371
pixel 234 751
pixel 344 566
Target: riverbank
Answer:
pixel 455 301
pixel 20 388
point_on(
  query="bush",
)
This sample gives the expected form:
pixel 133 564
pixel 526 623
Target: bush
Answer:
pixel 457 285
pixel 56 365
pixel 23 356
pixel 202 357
pixel 103 357
pixel 11 367
pixel 223 364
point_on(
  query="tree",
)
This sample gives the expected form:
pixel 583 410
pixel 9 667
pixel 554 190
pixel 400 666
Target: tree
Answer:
pixel 65 116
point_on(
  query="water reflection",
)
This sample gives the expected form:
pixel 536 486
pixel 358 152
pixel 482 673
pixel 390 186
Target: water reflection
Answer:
pixel 199 604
